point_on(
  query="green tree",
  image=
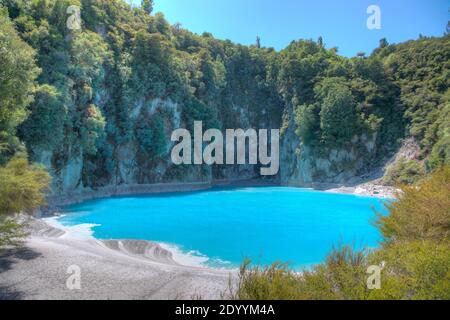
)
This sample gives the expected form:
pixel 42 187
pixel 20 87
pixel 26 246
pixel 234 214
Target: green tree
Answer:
pixel 18 72
pixel 338 118
pixel 44 127
pixel 307 120
pixel 151 136
pixel 92 130
pixel 147 6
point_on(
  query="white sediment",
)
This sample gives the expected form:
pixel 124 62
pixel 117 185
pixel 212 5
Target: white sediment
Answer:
pixel 85 232
pixel 110 269
pixel 77 232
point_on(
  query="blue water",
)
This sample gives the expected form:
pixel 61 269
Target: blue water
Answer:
pixel 265 224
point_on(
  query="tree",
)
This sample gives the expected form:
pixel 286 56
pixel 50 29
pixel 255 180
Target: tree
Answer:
pixel 307 121
pixel 18 72
pixel 147 6
pixel 151 136
pixel 44 127
pixel 361 54
pixel 258 42
pixel 383 43
pixel 320 42
pixel 92 130
pixel 338 120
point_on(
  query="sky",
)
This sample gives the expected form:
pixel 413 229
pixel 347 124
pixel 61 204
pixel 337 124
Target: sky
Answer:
pixel 341 23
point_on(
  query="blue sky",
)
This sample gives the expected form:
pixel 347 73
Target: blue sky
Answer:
pixel 341 23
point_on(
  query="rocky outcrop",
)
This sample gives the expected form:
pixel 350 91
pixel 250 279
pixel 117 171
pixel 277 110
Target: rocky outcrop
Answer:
pixel 301 165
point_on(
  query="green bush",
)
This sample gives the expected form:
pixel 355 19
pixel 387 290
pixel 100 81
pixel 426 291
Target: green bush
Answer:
pixel 18 72
pixel 417 270
pixel 403 172
pixel 22 189
pixel 23 186
pixel 276 282
pixel 422 211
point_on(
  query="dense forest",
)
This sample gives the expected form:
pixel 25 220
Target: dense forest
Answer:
pixel 96 106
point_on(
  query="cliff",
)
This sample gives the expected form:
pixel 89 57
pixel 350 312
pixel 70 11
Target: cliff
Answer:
pixel 108 97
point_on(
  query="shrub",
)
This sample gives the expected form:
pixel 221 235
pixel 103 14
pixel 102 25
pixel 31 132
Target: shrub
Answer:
pixel 413 270
pixel 276 282
pixel 11 232
pixel 422 211
pixel 22 188
pixel 404 172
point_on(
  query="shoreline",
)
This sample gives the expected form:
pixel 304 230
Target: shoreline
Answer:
pixel 370 189
pixel 188 259
pixel 109 269
pixel 172 252
pixel 124 190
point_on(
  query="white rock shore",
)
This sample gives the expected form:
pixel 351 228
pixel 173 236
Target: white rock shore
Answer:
pixel 367 189
pixel 115 269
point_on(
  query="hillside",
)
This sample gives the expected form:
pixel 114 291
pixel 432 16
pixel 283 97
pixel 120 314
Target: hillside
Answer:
pixel 97 106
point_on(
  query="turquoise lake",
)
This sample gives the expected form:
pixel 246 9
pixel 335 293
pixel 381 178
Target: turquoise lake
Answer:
pixel 224 226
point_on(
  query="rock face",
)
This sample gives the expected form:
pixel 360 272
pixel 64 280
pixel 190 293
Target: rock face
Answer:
pixel 129 165
pixel 299 165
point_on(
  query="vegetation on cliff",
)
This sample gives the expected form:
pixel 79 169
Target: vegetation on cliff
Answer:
pixel 122 82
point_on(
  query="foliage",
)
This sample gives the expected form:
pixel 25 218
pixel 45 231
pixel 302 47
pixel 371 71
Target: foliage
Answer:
pixel 151 136
pixel 22 188
pixel 440 153
pixel 44 127
pixel 404 172
pixel 11 232
pixel 18 72
pixel 275 282
pixel 338 120
pixel 93 130
pixel 416 270
pixel 420 68
pixel 307 120
pixel 421 212
pixel 147 6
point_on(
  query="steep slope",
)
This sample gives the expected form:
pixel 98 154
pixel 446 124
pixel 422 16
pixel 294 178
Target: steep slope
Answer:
pixel 109 96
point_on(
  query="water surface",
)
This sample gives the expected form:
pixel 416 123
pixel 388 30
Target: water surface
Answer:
pixel 265 224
